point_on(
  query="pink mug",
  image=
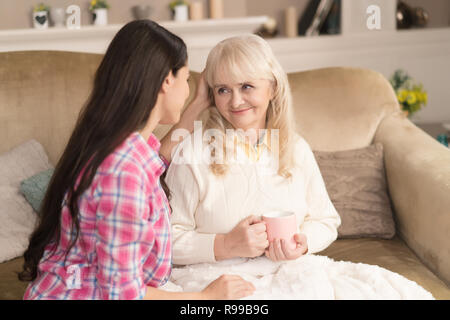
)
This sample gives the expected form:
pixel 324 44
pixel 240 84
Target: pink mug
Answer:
pixel 281 225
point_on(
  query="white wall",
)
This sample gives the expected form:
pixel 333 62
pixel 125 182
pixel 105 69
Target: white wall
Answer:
pixel 424 54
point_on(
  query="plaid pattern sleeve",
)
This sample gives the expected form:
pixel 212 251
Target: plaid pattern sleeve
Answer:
pixel 123 227
pixel 124 243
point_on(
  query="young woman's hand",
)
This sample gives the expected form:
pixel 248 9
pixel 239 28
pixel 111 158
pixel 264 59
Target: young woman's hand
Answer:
pixel 248 239
pixel 192 112
pixel 201 99
pixel 228 287
pixel 279 251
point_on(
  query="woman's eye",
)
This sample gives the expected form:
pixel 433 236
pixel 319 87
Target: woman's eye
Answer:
pixel 221 90
pixel 246 86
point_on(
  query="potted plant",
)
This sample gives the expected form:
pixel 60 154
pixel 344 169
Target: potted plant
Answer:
pixel 179 10
pixel 40 16
pixel 410 95
pixel 99 9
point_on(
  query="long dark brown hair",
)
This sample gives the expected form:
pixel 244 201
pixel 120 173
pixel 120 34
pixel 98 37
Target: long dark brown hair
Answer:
pixel 125 90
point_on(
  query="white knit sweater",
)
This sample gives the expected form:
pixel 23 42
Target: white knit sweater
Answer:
pixel 205 205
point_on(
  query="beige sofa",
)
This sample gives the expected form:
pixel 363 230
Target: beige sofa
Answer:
pixel 41 93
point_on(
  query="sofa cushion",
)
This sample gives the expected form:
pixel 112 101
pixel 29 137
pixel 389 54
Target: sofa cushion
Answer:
pixel 17 216
pixel 340 108
pixel 34 188
pixel 10 286
pixel 356 183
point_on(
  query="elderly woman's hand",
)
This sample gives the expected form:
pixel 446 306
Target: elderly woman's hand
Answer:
pixel 248 240
pixel 279 251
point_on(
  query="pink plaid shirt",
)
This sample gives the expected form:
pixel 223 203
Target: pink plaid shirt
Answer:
pixel 124 243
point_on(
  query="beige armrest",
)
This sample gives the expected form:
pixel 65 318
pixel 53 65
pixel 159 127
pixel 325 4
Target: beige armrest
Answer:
pixel 418 174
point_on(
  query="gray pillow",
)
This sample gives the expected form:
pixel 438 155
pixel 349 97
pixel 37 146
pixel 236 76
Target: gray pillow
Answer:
pixel 34 188
pixel 16 214
pixel 356 183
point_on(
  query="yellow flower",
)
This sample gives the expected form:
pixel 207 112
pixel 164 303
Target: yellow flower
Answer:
pixel 402 95
pixel 41 7
pixel 93 2
pixel 411 99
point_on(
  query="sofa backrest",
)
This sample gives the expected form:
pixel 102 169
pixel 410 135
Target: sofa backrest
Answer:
pixel 340 108
pixel 42 93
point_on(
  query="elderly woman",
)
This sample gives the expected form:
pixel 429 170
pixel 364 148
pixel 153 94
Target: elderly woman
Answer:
pixel 246 161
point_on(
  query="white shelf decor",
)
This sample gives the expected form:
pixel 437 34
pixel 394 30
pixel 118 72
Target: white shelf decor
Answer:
pixel 362 16
pixel 96 39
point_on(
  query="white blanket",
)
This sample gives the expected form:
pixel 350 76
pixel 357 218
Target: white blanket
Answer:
pixel 309 277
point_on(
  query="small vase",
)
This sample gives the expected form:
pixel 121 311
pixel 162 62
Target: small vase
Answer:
pixel 58 16
pixel 141 12
pixel 100 17
pixel 406 114
pixel 196 11
pixel 216 9
pixel 181 13
pixel 40 19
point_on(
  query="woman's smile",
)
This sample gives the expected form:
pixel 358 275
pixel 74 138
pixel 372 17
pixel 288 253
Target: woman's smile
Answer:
pixel 241 111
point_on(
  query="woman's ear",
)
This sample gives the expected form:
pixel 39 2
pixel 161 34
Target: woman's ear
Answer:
pixel 168 82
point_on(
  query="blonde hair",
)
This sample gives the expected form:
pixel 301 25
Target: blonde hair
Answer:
pixel 249 57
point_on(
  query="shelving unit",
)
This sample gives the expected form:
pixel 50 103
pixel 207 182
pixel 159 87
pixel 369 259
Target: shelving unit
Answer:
pixel 95 39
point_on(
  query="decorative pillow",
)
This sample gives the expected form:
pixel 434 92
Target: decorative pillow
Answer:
pixel 356 183
pixel 17 216
pixel 34 188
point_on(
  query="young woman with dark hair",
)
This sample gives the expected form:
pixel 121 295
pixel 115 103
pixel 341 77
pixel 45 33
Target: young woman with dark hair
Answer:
pixel 105 231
